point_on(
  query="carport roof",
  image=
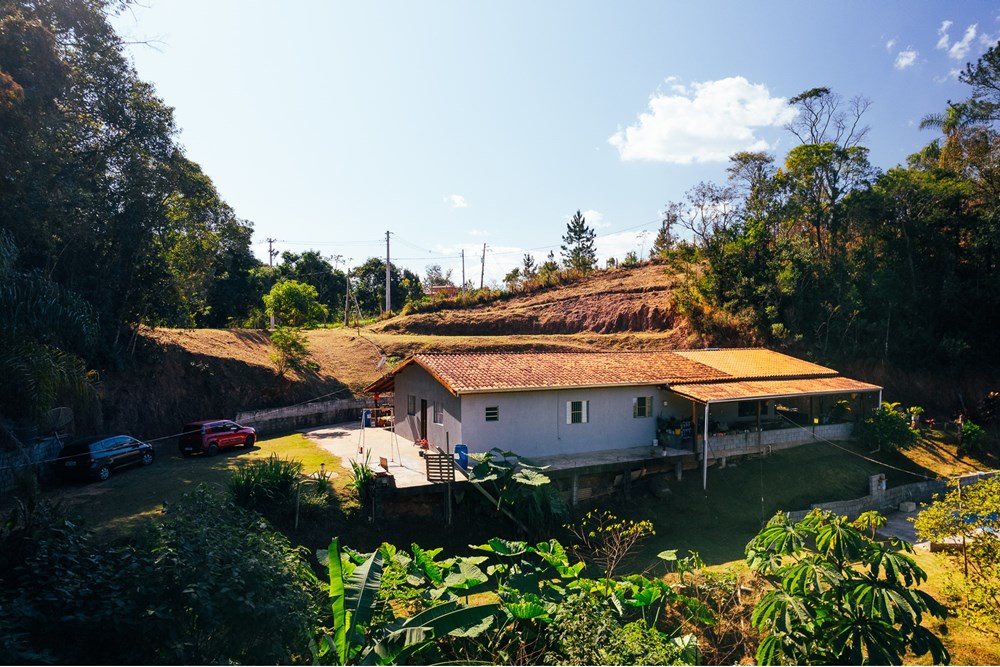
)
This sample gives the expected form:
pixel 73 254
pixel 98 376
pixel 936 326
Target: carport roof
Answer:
pixel 744 390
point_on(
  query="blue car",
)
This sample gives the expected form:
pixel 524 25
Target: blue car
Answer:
pixel 96 457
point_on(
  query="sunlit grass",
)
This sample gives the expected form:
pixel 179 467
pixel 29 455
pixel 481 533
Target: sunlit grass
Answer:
pixel 133 495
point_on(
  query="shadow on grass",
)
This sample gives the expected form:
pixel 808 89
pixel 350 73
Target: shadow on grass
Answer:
pixel 717 522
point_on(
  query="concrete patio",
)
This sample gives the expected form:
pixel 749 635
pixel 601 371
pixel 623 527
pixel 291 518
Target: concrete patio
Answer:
pixel 351 442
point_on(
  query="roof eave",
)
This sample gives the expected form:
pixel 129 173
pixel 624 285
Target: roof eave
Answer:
pixel 568 387
pixel 764 397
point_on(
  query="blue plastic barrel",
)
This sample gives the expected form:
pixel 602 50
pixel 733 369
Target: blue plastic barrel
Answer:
pixel 462 452
pixel 366 417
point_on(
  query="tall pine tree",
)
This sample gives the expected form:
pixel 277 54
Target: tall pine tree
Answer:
pixel 578 251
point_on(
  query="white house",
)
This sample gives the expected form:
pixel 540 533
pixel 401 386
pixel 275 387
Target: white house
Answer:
pixel 712 403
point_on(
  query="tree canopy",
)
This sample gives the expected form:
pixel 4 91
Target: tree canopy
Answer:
pixel 578 250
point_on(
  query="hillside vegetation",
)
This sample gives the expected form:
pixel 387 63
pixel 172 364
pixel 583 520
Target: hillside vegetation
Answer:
pixel 176 375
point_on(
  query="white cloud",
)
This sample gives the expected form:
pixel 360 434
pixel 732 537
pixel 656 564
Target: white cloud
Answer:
pixel 943 38
pixel 620 244
pixel 960 49
pixel 906 58
pixel 478 232
pixel 456 201
pixel 891 43
pixel 703 122
pixel 595 219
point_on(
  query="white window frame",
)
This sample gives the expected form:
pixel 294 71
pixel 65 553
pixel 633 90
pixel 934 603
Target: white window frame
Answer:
pixel 438 412
pixel 646 405
pixel 584 412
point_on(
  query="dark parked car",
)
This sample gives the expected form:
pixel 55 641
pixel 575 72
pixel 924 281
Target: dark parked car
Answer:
pixel 211 435
pixel 96 457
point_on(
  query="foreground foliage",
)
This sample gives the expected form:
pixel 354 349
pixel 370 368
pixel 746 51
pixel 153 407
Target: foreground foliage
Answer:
pixel 209 583
pixel 839 597
pixel 969 518
pixel 533 601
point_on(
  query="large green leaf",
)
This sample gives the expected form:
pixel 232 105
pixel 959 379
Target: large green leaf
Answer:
pixel 530 477
pixel 362 589
pixel 338 603
pixel 424 562
pixel 503 547
pixel 528 610
pixel 429 624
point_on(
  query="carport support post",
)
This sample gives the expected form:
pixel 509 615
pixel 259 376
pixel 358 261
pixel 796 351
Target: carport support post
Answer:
pixel 812 416
pixel 758 425
pixel 704 456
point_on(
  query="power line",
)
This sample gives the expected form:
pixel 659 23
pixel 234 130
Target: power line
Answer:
pixel 862 456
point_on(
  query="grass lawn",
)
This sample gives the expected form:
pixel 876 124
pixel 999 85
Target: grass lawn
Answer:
pixel 719 521
pixel 114 507
pixel 967 646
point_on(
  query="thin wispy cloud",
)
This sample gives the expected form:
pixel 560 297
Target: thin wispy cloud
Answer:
pixel 943 38
pixel 906 59
pixel 890 44
pixel 456 201
pixel 703 122
pixel 960 49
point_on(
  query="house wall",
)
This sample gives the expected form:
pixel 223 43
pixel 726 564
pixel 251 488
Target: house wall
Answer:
pixel 533 423
pixel 417 382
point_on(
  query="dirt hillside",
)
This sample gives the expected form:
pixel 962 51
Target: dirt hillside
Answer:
pixel 614 301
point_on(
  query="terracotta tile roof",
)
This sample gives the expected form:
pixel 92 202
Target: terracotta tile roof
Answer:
pixel 749 363
pixel 757 389
pixel 705 375
pixel 465 373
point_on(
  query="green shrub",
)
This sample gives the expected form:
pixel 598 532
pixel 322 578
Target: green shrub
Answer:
pixel 972 436
pixel 290 349
pixel 209 583
pixel 268 484
pixel 586 631
pixel 888 428
pixel 362 477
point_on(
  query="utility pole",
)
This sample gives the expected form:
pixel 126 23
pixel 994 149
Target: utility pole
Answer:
pixel 388 295
pixel 482 270
pixel 271 253
pixel 347 298
pixel 463 273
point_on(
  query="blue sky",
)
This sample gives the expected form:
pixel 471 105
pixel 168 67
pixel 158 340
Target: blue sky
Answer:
pixel 454 124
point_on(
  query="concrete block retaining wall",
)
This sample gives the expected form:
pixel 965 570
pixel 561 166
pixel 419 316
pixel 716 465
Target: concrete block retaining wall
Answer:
pixel 746 443
pixel 284 420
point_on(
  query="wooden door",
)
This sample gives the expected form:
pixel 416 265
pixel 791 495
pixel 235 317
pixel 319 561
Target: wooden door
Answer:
pixel 423 419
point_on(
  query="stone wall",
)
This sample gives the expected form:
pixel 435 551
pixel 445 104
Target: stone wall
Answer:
pixel 888 500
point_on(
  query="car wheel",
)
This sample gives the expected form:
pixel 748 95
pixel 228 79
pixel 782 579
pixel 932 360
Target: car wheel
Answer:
pixel 147 458
pixel 103 473
pixel 248 443
pixel 212 450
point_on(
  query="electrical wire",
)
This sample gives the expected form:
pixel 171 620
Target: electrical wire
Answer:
pixel 166 437
pixel 862 456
